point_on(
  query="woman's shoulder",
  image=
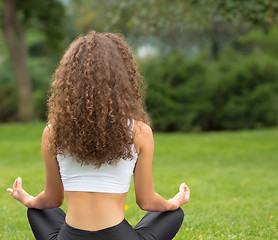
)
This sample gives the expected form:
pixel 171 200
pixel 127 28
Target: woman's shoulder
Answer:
pixel 46 133
pixel 141 128
pixel 143 135
pixel 47 129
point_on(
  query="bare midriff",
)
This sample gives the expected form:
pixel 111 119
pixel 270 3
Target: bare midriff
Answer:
pixel 95 211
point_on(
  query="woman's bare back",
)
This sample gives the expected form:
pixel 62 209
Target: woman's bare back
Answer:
pixel 94 211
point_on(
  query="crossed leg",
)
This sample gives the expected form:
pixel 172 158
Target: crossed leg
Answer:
pixel 160 225
pixel 46 224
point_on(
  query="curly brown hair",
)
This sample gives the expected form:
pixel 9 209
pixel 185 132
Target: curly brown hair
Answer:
pixel 94 95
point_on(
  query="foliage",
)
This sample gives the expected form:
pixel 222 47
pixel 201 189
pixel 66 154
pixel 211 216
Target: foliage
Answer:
pixel 8 94
pixel 40 70
pixel 164 16
pixel 46 17
pixel 239 90
pixel 263 40
pixel 181 25
pixel 236 91
pixel 184 93
pixel 15 18
pixel 247 91
pixel 229 198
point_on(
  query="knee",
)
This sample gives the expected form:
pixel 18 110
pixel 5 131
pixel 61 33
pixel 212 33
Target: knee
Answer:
pixel 179 215
pixel 30 212
pixel 33 212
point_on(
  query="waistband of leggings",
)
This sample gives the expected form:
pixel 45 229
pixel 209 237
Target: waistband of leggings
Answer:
pixel 74 230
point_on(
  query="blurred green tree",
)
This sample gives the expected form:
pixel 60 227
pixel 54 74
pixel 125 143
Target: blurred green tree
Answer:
pixel 166 15
pixel 15 17
pixel 175 24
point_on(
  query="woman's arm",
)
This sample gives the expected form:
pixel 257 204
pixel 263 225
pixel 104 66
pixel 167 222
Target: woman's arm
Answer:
pixel 146 198
pixel 53 194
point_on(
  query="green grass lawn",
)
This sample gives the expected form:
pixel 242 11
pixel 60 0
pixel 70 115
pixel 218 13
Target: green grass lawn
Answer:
pixel 233 177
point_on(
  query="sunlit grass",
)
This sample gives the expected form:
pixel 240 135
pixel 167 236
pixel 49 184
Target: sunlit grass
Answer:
pixel 232 177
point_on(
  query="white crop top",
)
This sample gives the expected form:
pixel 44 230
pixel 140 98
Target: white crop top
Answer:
pixel 87 178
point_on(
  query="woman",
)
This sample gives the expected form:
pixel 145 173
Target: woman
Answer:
pixel 96 139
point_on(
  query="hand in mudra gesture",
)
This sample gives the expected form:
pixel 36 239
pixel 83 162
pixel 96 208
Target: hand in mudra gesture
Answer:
pixel 18 192
pixel 183 196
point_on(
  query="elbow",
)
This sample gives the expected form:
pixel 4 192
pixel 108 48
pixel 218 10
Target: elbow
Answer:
pixel 56 202
pixel 146 201
pixel 144 205
pixel 59 201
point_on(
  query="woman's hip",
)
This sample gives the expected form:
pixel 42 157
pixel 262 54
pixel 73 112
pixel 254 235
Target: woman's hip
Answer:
pixel 121 231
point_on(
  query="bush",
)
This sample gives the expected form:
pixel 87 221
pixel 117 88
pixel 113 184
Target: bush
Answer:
pixel 177 92
pixel 246 90
pixel 236 91
pixel 40 71
pixel 8 100
pixel 8 95
pixel 233 92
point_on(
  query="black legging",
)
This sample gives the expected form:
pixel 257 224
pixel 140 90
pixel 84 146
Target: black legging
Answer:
pixel 50 224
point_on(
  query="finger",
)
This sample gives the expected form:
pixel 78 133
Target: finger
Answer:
pixel 19 182
pixel 10 190
pixel 15 184
pixel 187 191
pixel 182 186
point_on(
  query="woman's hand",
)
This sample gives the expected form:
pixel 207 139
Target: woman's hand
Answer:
pixel 19 194
pixel 182 197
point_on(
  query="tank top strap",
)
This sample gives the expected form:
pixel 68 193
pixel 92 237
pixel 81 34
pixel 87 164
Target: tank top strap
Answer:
pixel 131 124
